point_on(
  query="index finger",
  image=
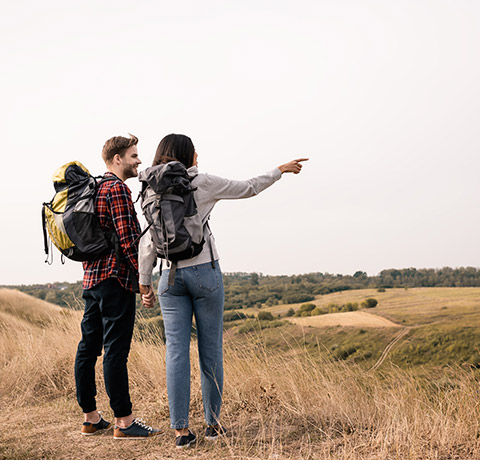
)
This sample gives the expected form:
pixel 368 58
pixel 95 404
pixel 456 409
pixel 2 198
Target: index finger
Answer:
pixel 302 159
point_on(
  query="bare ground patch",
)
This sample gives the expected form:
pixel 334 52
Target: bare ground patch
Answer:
pixel 351 318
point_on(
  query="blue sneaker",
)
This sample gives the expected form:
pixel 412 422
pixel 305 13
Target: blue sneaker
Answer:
pixel 137 430
pixel 185 441
pixel 94 428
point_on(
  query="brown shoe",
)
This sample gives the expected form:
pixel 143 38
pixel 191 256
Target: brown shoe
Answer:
pixel 93 428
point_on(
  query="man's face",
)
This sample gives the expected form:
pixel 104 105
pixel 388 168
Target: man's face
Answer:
pixel 129 162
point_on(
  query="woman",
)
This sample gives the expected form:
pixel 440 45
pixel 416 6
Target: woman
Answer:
pixel 198 291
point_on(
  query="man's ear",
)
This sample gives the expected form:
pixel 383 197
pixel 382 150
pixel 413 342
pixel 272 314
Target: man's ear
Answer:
pixel 116 160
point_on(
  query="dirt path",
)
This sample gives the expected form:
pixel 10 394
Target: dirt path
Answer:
pixel 389 347
pixel 351 318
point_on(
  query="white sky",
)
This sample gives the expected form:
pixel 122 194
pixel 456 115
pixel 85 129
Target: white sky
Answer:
pixel 383 96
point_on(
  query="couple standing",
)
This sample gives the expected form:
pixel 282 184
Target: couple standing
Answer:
pixel 109 293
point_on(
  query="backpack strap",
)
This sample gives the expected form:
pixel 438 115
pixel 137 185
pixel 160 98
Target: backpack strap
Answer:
pixel 48 259
pixel 171 275
pixel 210 242
pixel 116 242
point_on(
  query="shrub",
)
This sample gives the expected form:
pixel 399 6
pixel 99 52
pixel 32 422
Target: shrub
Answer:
pixel 253 325
pixel 233 315
pixel 344 352
pixel 290 312
pixel 350 306
pixel 370 303
pixel 297 298
pixel 333 308
pixel 305 309
pixel 265 316
pixel 381 289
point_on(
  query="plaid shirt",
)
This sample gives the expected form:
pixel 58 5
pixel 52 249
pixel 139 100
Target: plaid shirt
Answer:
pixel 114 208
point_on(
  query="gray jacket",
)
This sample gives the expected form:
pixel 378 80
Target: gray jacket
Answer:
pixel 210 190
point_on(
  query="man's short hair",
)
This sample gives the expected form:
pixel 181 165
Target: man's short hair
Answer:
pixel 117 144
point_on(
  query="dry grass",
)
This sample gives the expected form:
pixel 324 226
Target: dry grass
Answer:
pixel 417 305
pixel 348 319
pixel 276 405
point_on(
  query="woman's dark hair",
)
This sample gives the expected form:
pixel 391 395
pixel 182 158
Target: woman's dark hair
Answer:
pixel 175 147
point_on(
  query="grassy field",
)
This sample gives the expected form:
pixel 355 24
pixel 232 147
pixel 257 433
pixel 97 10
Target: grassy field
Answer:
pixel 280 402
pixel 443 327
pixel 412 306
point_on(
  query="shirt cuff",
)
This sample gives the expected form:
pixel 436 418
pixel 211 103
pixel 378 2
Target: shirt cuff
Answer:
pixel 145 279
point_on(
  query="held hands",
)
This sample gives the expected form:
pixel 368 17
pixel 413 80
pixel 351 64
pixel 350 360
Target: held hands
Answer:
pixel 148 296
pixel 293 166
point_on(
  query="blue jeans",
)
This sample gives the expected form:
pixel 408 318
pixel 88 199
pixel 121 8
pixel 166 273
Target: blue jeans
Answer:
pixel 198 290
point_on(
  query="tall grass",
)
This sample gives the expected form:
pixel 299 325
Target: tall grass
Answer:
pixel 277 405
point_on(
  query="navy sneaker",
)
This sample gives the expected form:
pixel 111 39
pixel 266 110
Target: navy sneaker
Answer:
pixel 137 430
pixel 213 432
pixel 93 428
pixel 185 441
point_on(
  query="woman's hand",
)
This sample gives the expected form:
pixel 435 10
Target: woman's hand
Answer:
pixel 148 296
pixel 293 166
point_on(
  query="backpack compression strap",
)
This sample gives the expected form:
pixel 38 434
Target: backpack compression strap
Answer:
pixel 45 238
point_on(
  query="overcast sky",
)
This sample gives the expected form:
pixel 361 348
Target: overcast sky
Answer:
pixel 383 96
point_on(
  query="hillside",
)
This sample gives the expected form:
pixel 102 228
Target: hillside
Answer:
pixel 443 327
pixel 278 405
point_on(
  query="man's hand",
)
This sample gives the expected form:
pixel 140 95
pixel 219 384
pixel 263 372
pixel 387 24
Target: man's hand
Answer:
pixel 292 167
pixel 148 296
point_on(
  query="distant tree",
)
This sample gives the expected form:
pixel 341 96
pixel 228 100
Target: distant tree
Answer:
pixel 350 306
pixel 233 315
pixel 290 312
pixel 298 297
pixel 265 316
pixel 370 303
pixel 333 308
pixel 305 309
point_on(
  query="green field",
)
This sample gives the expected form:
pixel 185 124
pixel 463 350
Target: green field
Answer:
pixel 443 327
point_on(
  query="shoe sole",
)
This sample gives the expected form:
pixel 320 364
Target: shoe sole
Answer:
pixel 187 445
pixel 133 437
pixel 96 432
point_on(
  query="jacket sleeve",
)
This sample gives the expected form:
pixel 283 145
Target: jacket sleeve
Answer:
pixel 147 259
pixel 226 189
pixel 125 221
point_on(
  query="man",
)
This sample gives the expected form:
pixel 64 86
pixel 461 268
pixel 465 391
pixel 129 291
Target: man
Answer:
pixel 109 285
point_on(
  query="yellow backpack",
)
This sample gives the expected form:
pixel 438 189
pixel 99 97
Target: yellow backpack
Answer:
pixel 69 218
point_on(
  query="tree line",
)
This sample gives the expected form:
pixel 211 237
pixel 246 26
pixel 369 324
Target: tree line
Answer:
pixel 243 290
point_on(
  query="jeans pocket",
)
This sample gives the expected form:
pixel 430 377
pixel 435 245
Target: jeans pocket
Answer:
pixel 163 283
pixel 207 277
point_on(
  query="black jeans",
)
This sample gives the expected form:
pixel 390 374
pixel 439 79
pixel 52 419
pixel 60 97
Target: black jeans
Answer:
pixel 107 323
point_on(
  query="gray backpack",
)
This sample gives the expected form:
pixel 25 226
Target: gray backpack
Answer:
pixel 169 207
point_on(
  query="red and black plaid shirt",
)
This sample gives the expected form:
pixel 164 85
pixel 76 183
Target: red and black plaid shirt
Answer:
pixel 115 210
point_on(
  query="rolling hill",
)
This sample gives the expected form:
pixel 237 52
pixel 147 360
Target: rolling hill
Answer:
pixel 283 402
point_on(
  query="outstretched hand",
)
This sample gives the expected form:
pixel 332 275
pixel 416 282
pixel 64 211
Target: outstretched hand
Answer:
pixel 148 296
pixel 293 166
